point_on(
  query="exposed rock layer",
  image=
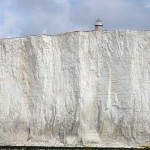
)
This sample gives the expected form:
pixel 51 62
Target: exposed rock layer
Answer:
pixel 76 89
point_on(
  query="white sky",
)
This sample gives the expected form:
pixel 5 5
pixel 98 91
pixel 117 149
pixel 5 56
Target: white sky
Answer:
pixel 28 17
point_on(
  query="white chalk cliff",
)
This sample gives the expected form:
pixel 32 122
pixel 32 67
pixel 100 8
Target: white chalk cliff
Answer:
pixel 76 89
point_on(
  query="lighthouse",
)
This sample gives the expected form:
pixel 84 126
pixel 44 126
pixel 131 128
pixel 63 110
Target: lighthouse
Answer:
pixel 98 25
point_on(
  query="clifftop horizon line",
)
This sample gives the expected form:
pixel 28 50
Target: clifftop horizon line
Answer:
pixel 99 27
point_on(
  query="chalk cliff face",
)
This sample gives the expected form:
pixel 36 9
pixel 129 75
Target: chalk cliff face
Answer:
pixel 76 89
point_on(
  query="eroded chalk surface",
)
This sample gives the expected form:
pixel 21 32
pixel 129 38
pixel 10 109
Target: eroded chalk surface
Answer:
pixel 76 89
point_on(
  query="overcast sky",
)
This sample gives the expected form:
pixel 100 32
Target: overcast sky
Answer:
pixel 30 17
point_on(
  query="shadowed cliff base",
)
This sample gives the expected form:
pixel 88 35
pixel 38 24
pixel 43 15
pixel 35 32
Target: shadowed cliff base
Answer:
pixel 65 148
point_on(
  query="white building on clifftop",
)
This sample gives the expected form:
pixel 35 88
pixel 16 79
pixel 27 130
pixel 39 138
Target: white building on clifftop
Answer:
pixel 98 25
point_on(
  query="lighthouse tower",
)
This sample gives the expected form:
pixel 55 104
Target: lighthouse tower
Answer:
pixel 98 25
